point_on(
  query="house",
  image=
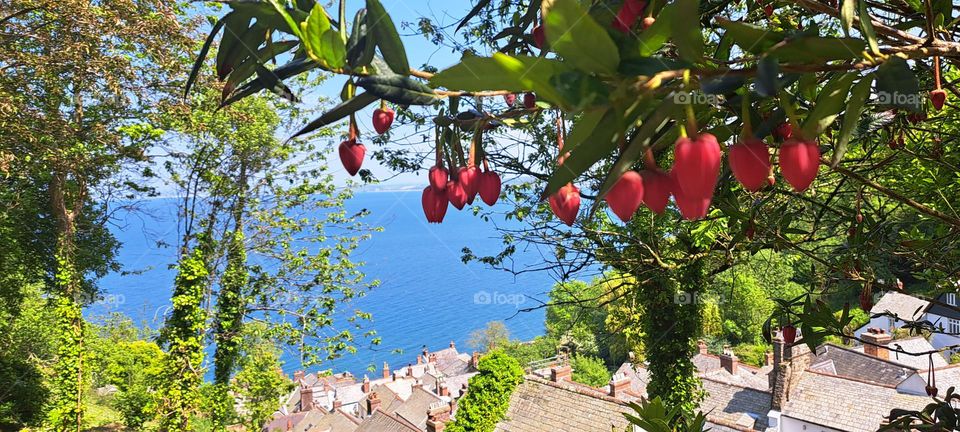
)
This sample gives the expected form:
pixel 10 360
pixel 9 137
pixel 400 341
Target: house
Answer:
pixel 840 389
pixel 894 308
pixel 417 397
pixel 558 404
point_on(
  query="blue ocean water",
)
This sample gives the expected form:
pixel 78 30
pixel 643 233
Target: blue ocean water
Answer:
pixel 427 295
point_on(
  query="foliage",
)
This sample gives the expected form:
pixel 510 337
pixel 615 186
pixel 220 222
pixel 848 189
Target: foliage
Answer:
pixel 260 383
pixel 589 370
pixel 486 402
pixel 182 371
pixel 755 355
pixel 494 335
pixel 27 341
pixel 656 416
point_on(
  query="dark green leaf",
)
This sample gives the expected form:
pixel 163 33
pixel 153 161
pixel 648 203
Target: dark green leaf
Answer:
pixel 235 26
pixel 203 55
pixel 648 66
pixel 828 105
pixel 338 113
pixel 688 36
pixel 473 12
pixel 381 27
pixel 582 157
pixel 816 49
pixel 360 48
pixel 288 70
pixel 398 89
pixel 751 38
pixel 503 72
pixel 858 97
pixel 768 77
pixel 897 85
pixel 573 34
pixel 724 84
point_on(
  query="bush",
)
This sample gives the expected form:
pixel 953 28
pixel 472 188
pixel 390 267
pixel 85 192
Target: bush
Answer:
pixel 488 397
pixel 751 354
pixel 590 371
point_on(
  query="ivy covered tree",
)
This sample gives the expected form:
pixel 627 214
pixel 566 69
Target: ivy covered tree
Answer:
pixel 66 125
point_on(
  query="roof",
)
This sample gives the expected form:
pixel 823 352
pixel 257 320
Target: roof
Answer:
pixel 293 421
pixel 905 306
pixel 853 364
pixel 936 309
pixel 337 421
pixel 383 422
pixel 913 345
pixel 842 403
pixel 414 409
pixel 735 406
pixel 639 377
pixel 537 405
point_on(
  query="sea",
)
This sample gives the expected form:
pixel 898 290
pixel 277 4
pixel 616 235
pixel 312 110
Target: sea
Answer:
pixel 427 297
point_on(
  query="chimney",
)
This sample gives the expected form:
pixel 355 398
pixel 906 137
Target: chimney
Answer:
pixel 337 404
pixel 289 425
pixel 768 359
pixel 874 337
pixel 418 383
pixel 409 370
pixel 702 346
pixel 419 360
pixel 366 385
pixel 619 385
pixel 439 385
pixel 373 403
pixel 386 370
pixel 475 360
pixel 729 361
pixel 444 391
pixel 453 345
pixel 560 373
pixel 298 376
pixel 433 357
pixel 306 398
pixel 437 416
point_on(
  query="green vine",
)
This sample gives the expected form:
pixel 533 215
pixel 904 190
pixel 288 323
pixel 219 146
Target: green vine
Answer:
pixel 182 372
pixel 670 335
pixel 228 324
pixel 68 381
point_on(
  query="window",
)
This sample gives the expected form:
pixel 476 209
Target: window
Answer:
pixel 951 299
pixel 954 326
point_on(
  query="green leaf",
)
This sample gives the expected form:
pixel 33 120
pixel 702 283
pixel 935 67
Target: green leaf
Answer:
pixel 847 12
pixel 815 49
pixel 584 127
pixel 294 67
pixel 235 25
pixel 638 145
pixel 338 113
pixel 751 38
pixel 292 23
pixel 334 52
pixel 653 38
pixel 249 66
pixel 582 157
pixel 866 27
pixel 829 103
pixel 575 36
pixel 473 12
pixel 398 89
pixel 897 85
pixel 688 36
pixel 381 27
pixel 503 72
pixel 858 97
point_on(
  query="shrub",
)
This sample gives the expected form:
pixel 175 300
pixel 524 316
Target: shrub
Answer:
pixel 488 394
pixel 590 371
